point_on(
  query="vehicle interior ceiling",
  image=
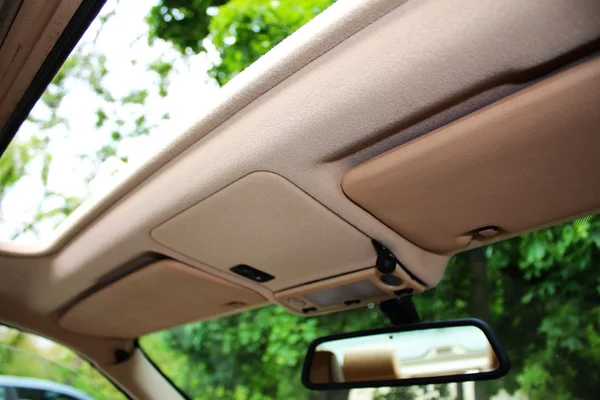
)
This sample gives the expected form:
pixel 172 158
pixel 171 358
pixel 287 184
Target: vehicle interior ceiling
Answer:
pixel 401 122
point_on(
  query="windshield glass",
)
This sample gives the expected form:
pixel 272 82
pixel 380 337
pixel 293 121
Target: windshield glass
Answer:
pixel 144 71
pixel 539 292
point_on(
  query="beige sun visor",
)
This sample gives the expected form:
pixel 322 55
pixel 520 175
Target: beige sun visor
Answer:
pixel 525 162
pixel 159 296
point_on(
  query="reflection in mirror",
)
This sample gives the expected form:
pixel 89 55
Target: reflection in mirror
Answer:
pixel 423 353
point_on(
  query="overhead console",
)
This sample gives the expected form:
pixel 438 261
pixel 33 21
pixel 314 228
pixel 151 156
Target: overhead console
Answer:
pixel 501 171
pixel 262 224
pixel 349 291
pixel 528 161
pixel 266 230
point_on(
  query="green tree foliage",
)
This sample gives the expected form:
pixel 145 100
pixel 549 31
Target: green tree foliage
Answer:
pixel 121 116
pixel 240 30
pixel 543 294
pixel 254 355
pixel 12 166
pixel 542 300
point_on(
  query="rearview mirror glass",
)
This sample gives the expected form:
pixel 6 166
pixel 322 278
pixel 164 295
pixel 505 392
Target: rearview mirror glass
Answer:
pixel 423 353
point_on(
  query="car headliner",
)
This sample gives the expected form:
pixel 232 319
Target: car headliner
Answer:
pixel 332 96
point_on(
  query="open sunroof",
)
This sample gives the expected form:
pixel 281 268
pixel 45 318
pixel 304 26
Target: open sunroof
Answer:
pixel 142 72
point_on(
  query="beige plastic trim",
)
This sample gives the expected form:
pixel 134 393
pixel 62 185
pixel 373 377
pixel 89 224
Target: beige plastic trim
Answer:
pixel 524 162
pixel 159 296
pixel 371 274
pixel 141 378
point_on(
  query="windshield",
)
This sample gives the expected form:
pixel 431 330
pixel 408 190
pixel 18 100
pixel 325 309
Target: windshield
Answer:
pixel 539 292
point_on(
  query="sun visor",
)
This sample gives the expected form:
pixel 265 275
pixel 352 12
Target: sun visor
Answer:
pixel 160 296
pixel 526 162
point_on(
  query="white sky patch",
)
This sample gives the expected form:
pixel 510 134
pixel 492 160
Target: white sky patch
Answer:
pixel 123 39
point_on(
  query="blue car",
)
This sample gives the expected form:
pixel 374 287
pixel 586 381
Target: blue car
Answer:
pixel 19 388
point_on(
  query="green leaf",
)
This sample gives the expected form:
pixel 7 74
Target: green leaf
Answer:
pixel 101 117
pixel 135 97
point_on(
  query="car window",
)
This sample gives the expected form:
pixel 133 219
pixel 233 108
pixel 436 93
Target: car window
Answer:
pixel 37 394
pixel 540 293
pixel 37 368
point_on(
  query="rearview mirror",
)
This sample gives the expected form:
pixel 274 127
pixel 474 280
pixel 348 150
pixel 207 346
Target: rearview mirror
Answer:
pixel 414 354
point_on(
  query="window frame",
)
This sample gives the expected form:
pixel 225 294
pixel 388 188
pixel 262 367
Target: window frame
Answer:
pixel 16 389
pixel 9 393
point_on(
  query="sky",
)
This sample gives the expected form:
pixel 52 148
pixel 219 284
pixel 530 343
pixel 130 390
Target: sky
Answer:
pixel 122 39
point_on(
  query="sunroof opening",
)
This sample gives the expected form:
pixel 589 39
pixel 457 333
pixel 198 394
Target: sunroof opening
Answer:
pixel 143 72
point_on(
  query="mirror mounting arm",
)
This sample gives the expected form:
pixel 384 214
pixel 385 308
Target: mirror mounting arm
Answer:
pixel 400 311
pixel 386 260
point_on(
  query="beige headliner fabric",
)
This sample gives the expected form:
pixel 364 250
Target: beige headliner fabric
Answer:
pixel 36 28
pixel 343 89
pixel 371 92
pixel 266 222
pixel 17 315
pixel 526 161
pixel 328 29
pixel 159 296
